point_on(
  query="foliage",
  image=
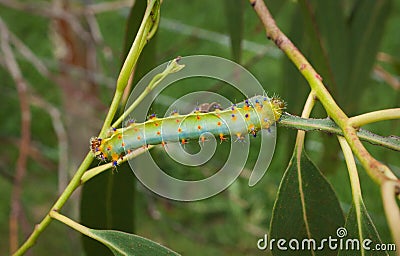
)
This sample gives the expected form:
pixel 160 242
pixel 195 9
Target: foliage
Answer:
pixel 67 92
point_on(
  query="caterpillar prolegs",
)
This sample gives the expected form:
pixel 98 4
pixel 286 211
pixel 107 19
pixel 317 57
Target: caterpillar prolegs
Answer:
pixel 249 116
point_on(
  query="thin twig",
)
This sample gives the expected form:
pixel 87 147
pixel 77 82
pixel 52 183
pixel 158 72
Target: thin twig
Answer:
pixel 20 170
pixel 35 151
pixel 109 6
pixel 390 79
pixel 51 11
pixel 29 55
pixel 61 134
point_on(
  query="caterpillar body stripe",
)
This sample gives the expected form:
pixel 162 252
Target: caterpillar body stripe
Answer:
pixel 249 116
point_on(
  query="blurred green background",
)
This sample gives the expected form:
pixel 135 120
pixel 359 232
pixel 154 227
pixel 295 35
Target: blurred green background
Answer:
pixel 353 44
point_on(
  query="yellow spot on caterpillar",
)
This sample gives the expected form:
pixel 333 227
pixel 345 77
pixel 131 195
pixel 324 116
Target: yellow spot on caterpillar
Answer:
pixel 199 127
pixel 233 117
pixel 177 120
pixel 183 141
pixel 123 144
pixel 114 157
pixel 239 137
pixel 109 147
pixel 163 143
pixel 202 138
pixel 156 124
pixel 251 127
pixel 179 129
pixel 219 123
pixel 221 137
pixel 246 107
pixel 198 117
pixel 120 136
pixel 138 137
pixel 247 115
pixel 159 133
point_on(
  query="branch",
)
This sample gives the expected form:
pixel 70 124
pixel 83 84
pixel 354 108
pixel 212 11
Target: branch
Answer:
pixel 375 169
pixel 61 134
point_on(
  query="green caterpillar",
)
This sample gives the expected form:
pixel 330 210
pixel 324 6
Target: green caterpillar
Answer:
pixel 249 116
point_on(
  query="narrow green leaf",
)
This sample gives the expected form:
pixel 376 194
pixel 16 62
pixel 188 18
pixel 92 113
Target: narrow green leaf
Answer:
pixel 275 5
pixel 124 244
pixel 368 231
pixel 342 40
pixel 94 211
pixel 234 17
pixel 107 202
pixel 367 24
pixel 291 78
pixel 324 23
pixel 306 208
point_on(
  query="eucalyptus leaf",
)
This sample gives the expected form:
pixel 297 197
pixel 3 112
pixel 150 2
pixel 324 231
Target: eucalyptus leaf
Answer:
pixel 234 17
pixel 368 231
pixel 306 207
pixel 123 244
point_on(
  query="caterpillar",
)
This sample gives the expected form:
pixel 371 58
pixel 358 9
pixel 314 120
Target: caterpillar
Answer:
pixel 249 116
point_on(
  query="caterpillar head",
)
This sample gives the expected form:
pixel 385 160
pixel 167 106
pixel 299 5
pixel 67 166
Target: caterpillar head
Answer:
pixel 95 144
pixel 277 105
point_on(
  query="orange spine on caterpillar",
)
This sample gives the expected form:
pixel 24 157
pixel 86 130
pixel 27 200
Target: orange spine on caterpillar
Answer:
pixel 249 116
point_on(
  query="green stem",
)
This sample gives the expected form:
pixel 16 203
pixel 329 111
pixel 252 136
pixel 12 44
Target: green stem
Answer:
pixel 39 228
pixel 99 169
pixel 146 27
pixel 306 113
pixel 376 116
pixel 389 190
pixel 355 184
pixel 67 221
pixel 172 67
pixel 327 125
pixel 137 46
pixel 351 166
